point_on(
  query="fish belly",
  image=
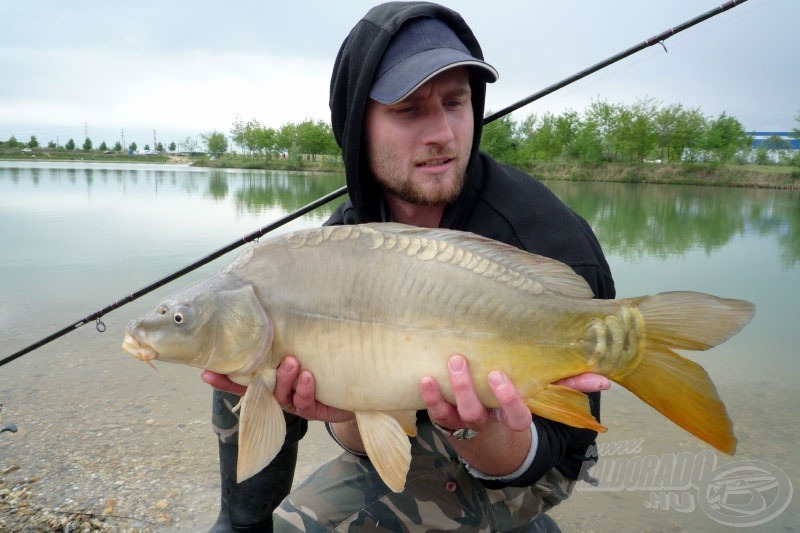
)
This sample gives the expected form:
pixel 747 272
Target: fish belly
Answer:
pixel 368 367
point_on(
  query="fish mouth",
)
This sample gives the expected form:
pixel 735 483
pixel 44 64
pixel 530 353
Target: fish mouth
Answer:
pixel 140 350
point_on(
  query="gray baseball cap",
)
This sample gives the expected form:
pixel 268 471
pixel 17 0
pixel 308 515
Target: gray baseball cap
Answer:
pixel 423 48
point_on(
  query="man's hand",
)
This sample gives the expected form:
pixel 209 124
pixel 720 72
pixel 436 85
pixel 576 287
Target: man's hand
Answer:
pixel 504 436
pixel 295 391
pixel 469 412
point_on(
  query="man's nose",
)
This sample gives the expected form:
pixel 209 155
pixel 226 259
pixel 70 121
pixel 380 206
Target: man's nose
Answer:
pixel 438 129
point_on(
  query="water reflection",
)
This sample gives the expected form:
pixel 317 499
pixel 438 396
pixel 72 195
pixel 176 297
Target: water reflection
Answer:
pixel 664 220
pixel 288 191
pixel 631 221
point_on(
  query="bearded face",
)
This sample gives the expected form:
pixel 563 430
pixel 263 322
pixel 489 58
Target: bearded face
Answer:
pixel 419 148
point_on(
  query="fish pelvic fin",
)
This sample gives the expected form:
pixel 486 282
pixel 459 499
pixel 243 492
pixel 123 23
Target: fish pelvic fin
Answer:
pixel 564 405
pixel 387 446
pixel 407 420
pixel 262 427
pixel 677 387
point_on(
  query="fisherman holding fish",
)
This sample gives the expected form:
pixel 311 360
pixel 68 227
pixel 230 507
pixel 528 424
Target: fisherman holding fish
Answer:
pixel 407 102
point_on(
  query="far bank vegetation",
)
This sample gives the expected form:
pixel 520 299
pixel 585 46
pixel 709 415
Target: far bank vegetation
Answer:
pixel 640 142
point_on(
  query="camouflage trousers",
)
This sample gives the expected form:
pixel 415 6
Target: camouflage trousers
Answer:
pixel 223 420
pixel 347 494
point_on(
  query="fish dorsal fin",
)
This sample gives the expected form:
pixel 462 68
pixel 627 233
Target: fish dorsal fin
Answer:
pixel 470 251
pixel 387 446
pixel 262 427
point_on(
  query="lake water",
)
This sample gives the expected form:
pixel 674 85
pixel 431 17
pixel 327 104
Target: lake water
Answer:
pixel 75 237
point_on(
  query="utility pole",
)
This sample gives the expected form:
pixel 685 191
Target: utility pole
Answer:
pixel 154 140
pixel 122 142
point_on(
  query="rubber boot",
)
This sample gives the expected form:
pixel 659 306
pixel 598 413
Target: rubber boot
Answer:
pixel 248 506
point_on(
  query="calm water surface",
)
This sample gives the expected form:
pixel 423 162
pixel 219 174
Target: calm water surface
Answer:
pixel 75 237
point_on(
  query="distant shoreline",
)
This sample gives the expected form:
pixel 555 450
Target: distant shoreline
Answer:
pixel 730 175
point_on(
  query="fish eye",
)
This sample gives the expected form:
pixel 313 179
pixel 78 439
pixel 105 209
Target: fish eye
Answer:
pixel 178 318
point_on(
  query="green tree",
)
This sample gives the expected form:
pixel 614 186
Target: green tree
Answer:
pixel 172 146
pixel 87 144
pixel 133 147
pixel 544 141
pixel 642 136
pixel 238 133
pixel 688 137
pixel 315 137
pixel 499 141
pixel 51 145
pixel 117 146
pixel 251 134
pixel 216 143
pixel 567 126
pixel 588 144
pixel 33 143
pixel 604 119
pixel 70 145
pixel 287 138
pixel 146 147
pixel 103 147
pixel 189 144
pixel 725 136
pixel 12 142
pixel 159 147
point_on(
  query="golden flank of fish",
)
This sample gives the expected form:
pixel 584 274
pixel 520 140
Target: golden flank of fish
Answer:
pixel 371 309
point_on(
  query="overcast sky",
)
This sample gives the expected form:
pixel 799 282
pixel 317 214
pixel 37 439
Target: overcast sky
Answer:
pixel 183 68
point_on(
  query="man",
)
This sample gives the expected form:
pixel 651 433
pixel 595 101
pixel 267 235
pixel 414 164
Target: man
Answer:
pixel 407 101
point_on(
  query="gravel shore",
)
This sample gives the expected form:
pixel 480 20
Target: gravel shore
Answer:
pixel 104 443
pixel 107 444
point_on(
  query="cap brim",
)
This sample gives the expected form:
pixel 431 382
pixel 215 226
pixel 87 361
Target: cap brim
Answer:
pixel 401 80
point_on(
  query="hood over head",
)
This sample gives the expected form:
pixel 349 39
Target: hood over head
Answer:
pixel 434 38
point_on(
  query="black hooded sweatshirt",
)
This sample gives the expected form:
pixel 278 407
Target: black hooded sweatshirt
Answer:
pixel 497 201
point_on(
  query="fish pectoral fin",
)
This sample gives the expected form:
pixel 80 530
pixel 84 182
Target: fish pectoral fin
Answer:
pixel 262 428
pixel 565 405
pixel 387 446
pixel 407 420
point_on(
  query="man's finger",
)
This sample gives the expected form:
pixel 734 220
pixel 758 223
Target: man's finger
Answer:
pixel 284 380
pixel 513 411
pixel 222 382
pixel 587 382
pixel 469 406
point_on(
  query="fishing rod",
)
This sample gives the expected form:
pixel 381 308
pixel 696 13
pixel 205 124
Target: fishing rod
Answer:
pixel 658 39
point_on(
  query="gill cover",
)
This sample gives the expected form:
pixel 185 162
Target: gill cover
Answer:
pixel 242 332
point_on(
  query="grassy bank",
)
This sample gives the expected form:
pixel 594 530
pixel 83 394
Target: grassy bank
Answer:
pixel 756 176
pixel 302 163
pixel 733 175
pixel 79 155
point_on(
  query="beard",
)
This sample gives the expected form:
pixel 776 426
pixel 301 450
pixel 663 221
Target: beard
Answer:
pixel 424 190
pixel 439 190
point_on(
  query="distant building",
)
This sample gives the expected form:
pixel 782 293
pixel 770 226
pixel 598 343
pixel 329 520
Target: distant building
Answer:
pixel 761 139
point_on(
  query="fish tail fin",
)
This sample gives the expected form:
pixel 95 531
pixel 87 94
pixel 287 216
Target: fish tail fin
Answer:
pixel 675 386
